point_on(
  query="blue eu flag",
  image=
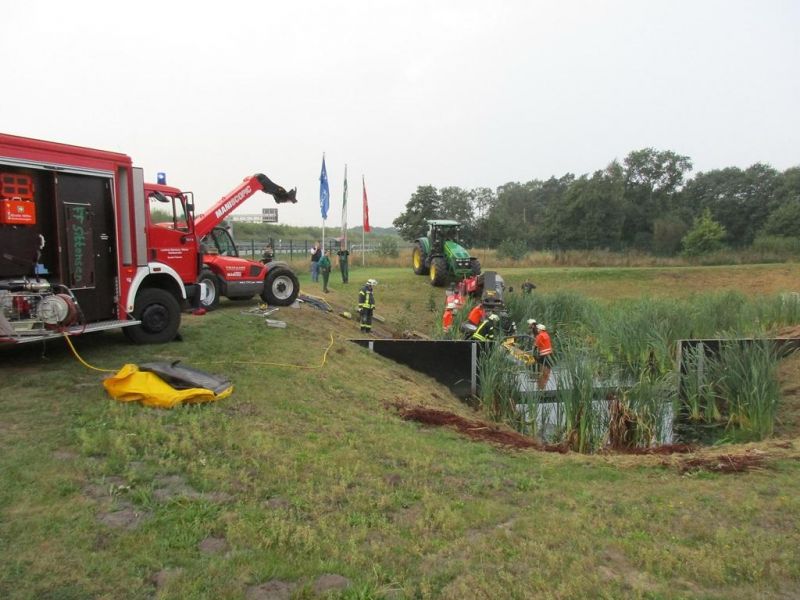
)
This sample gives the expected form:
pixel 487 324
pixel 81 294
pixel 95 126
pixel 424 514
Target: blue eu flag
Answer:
pixel 324 192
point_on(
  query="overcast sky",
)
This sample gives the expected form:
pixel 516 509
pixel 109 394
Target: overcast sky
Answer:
pixel 406 93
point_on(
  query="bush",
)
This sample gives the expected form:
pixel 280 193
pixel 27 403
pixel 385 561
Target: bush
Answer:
pixel 513 249
pixel 388 247
pixel 704 237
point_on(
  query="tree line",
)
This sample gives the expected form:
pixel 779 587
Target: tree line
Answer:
pixel 647 202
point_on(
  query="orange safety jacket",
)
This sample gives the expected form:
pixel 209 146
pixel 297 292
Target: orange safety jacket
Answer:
pixel 447 319
pixel 476 315
pixel 543 344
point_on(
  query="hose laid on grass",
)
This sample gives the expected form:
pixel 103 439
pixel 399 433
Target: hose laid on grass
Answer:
pixel 83 362
pixel 275 364
pixel 236 362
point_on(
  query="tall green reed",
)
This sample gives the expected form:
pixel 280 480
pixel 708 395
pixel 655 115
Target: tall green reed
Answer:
pixel 749 383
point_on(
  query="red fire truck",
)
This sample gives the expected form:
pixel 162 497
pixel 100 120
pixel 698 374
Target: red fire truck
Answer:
pixel 79 251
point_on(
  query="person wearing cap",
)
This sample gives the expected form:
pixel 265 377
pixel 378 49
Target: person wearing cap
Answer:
pixel 366 305
pixel 544 352
pixel 487 329
pixel 447 317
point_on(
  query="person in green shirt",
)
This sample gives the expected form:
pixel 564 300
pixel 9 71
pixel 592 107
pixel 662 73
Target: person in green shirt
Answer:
pixel 325 269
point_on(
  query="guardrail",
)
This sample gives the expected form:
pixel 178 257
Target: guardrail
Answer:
pixel 302 248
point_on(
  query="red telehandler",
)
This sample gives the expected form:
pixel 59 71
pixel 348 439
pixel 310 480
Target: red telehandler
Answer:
pixel 205 254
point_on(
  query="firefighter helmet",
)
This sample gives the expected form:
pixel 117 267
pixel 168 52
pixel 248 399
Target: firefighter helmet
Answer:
pixel 372 282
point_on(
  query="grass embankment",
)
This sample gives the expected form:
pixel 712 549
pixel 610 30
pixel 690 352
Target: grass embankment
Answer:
pixel 304 472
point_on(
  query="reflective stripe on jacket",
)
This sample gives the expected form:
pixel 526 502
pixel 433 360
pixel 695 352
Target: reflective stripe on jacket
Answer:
pixel 366 299
pixel 484 332
pixel 543 344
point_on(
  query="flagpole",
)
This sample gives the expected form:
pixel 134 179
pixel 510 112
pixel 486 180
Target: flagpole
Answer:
pixel 363 245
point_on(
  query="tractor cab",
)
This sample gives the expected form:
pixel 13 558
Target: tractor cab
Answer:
pixel 439 231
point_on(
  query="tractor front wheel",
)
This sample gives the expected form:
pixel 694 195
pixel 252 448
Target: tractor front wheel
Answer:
pixel 475 266
pixel 418 260
pixel 438 271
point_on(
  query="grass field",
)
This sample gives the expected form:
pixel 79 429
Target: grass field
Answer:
pixel 306 471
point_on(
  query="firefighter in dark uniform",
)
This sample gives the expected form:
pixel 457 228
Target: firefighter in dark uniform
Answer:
pixel 366 304
pixel 487 330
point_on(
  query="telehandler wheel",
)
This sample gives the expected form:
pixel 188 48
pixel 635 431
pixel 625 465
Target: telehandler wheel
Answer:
pixel 475 266
pixel 211 286
pixel 280 288
pixel 418 260
pixel 160 316
pixel 438 271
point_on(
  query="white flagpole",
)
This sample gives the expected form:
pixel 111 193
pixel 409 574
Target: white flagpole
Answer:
pixel 363 248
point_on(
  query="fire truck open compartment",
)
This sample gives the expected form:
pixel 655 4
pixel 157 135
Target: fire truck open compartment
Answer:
pixel 67 241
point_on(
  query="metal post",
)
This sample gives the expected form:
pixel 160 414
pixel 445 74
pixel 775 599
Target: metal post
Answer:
pixel 473 388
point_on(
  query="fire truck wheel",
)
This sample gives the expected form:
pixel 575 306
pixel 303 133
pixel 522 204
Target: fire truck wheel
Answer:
pixel 280 288
pixel 210 290
pixel 160 314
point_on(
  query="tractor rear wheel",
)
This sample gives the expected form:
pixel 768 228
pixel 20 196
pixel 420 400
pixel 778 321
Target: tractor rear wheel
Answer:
pixel 438 271
pixel 418 260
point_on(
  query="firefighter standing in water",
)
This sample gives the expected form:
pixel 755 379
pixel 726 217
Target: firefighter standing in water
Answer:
pixel 544 352
pixel 366 304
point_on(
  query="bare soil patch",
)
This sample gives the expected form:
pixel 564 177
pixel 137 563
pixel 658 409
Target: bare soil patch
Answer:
pixel 271 590
pixel 749 460
pixel 476 430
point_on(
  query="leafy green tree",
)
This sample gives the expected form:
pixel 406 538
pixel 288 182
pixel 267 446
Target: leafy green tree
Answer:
pixel 388 247
pixel 652 179
pixel 513 249
pixel 740 200
pixel 784 220
pixel 424 204
pixel 591 214
pixel 456 204
pixel 668 232
pixel 705 236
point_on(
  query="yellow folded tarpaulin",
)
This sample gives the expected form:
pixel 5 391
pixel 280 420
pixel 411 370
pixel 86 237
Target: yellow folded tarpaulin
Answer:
pixel 130 384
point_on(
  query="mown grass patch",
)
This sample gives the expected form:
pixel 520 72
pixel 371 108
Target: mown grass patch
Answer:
pixel 305 472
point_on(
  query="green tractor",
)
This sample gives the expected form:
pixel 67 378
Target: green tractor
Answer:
pixel 440 256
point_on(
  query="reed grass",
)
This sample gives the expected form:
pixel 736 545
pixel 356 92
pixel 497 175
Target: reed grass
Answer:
pixel 748 382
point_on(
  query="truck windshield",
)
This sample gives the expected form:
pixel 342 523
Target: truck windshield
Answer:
pixel 168 211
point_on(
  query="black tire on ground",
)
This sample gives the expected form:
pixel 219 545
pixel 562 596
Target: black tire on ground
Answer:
pixel 475 266
pixel 281 287
pixel 418 260
pixel 160 316
pixel 438 271
pixel 213 289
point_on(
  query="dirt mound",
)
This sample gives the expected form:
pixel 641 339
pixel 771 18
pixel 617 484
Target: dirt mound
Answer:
pixel 476 430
